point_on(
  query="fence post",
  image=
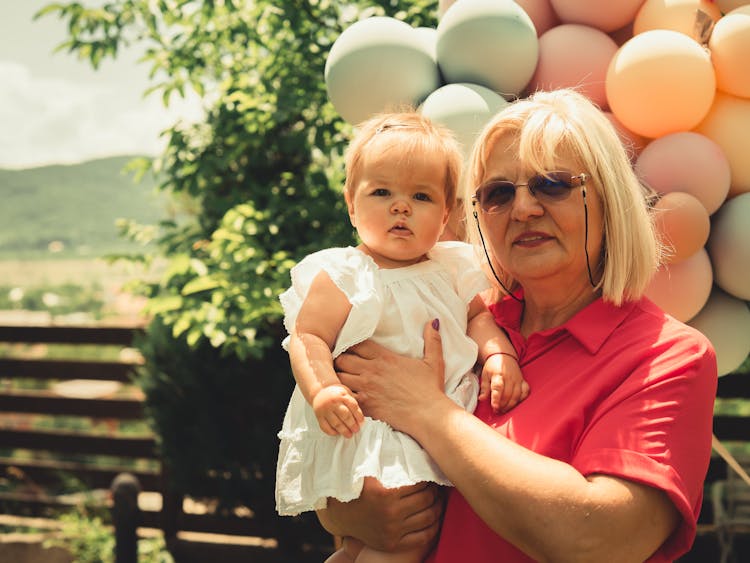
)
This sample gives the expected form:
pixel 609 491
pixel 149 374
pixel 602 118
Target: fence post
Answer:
pixel 126 516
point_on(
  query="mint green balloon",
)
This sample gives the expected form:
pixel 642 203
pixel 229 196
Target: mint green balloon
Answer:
pixel 488 42
pixel 377 64
pixel 463 108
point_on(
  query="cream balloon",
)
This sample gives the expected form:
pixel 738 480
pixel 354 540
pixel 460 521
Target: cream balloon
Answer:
pixel 686 162
pixel 729 246
pixel 492 43
pixel 607 16
pixel 683 225
pixel 727 124
pixel 464 109
pixel 378 63
pixel 540 12
pixel 725 321
pixel 682 289
pixel 677 15
pixel 660 82
pixel 730 52
pixel 574 56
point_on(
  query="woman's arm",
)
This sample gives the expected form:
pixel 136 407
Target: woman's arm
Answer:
pixel 323 313
pixel 543 506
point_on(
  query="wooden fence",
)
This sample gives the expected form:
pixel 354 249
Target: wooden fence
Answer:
pixel 40 459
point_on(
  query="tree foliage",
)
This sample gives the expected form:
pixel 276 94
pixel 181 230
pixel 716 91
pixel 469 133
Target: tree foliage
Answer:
pixel 263 174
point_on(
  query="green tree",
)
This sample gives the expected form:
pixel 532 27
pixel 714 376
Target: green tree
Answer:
pixel 263 174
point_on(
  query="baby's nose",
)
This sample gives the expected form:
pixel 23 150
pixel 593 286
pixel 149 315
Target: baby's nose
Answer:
pixel 401 206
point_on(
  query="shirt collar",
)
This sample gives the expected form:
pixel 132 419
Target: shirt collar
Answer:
pixel 591 326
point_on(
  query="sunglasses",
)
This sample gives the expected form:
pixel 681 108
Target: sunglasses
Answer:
pixel 496 195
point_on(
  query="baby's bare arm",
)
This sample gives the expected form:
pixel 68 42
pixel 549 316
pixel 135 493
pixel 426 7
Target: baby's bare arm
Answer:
pixel 319 322
pixel 501 378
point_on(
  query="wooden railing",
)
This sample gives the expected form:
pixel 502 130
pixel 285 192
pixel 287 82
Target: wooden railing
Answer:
pixel 41 458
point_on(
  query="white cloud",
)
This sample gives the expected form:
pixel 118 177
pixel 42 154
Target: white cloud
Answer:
pixel 56 119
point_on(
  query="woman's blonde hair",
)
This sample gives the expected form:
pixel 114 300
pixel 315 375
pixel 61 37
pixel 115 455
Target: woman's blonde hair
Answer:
pixel 409 133
pixel 549 126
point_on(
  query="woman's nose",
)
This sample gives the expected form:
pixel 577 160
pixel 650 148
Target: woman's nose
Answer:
pixel 401 206
pixel 525 205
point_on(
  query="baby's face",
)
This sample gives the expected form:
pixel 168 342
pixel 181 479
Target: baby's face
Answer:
pixel 398 204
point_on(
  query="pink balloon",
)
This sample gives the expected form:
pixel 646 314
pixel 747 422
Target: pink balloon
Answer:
pixel 607 16
pixel 682 289
pixel 686 162
pixel 683 225
pixel 541 13
pixel 622 35
pixel 574 56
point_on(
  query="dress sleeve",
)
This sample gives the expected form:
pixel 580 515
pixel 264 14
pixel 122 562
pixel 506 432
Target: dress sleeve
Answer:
pixel 460 260
pixel 355 274
pixel 656 430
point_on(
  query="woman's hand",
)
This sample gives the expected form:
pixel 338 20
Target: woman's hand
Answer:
pixel 391 387
pixel 387 519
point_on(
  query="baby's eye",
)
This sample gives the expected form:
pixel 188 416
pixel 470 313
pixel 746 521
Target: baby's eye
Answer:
pixel 380 192
pixel 421 196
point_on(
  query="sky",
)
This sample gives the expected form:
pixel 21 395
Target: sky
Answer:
pixel 55 109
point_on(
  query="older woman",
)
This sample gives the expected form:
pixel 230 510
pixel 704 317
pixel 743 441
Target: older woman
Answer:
pixel 605 460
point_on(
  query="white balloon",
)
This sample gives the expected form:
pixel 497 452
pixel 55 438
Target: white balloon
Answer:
pixel 725 321
pixel 729 246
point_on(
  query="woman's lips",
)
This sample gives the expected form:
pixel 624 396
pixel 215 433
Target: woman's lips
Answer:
pixel 531 239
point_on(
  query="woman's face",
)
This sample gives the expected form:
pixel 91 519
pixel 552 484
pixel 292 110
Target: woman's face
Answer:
pixel 538 240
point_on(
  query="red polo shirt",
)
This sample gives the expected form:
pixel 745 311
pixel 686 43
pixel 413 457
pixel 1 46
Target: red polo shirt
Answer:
pixel 625 391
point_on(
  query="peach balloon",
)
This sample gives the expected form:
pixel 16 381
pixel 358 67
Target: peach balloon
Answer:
pixel 683 225
pixel 725 321
pixel 686 162
pixel 727 6
pixel 607 16
pixel 729 246
pixel 727 124
pixel 660 82
pixel 574 56
pixel 682 289
pixel 730 52
pixel 633 142
pixel 677 15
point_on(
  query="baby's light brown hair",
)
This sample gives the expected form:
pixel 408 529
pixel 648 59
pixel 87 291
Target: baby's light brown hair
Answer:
pixel 411 133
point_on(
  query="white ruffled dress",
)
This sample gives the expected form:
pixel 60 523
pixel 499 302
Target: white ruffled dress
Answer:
pixel 391 307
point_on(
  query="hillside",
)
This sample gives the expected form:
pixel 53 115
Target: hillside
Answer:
pixel 76 205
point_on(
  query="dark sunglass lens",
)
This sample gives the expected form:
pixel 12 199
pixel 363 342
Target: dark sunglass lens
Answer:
pixel 553 185
pixel 496 195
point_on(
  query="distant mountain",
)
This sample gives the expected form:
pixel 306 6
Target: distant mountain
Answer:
pixel 70 210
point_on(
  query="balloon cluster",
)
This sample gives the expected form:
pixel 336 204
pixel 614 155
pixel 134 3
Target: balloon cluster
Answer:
pixel 671 75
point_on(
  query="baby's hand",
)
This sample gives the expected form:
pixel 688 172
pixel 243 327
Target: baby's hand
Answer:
pixel 503 382
pixel 337 411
